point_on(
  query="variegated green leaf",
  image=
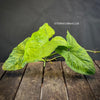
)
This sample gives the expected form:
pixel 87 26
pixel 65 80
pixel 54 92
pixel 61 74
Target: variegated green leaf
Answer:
pixel 39 45
pixel 76 57
pixel 15 59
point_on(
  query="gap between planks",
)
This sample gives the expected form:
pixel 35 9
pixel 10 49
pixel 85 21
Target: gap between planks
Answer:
pixel 94 81
pixel 9 84
pixel 77 86
pixel 97 62
pixel 20 81
pixel 43 71
pixel 65 82
pixel 30 86
pixel 2 73
pixel 42 84
pixel 53 87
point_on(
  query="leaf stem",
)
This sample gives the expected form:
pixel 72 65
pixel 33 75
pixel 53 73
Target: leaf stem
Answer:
pixel 93 51
pixel 53 58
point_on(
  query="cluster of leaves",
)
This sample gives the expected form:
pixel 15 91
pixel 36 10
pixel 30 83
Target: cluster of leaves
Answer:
pixel 40 46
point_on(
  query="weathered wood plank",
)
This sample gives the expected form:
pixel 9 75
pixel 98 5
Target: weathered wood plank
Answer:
pixel 9 84
pixel 78 87
pixel 53 85
pixel 1 71
pixel 94 82
pixel 98 63
pixel 31 84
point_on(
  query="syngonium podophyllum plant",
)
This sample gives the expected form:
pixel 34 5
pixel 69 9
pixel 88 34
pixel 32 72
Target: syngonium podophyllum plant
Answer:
pixel 40 46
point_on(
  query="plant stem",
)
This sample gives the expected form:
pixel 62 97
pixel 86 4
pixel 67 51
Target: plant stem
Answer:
pixel 44 63
pixel 93 51
pixel 53 58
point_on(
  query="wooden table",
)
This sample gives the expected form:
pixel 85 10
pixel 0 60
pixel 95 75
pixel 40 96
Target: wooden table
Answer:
pixel 56 82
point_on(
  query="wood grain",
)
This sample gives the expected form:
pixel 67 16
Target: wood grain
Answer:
pixel 78 87
pixel 9 84
pixel 1 71
pixel 94 81
pixel 53 86
pixel 31 83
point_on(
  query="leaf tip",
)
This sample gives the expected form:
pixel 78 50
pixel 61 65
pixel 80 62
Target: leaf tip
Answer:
pixel 68 32
pixel 90 71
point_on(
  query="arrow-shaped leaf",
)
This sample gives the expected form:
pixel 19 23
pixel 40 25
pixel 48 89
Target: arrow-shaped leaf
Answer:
pixel 76 56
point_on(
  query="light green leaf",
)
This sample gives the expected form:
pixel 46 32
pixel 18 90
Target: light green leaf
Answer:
pixel 15 59
pixel 38 39
pixel 47 29
pixel 50 46
pixel 76 57
pixel 39 45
